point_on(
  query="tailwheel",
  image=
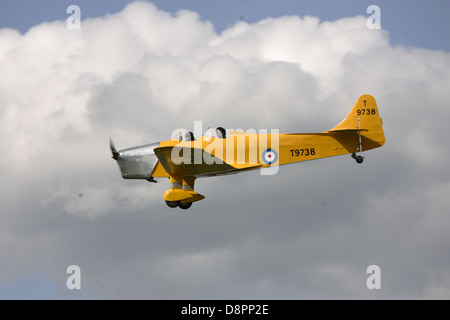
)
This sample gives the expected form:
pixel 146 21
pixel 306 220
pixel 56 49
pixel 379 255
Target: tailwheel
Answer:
pixel 185 205
pixel 173 204
pixel 359 159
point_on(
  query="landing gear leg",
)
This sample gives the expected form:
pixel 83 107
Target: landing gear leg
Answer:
pixel 359 159
pixel 181 194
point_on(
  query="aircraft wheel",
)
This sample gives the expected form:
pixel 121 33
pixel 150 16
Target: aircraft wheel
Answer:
pixel 185 205
pixel 173 204
pixel 359 159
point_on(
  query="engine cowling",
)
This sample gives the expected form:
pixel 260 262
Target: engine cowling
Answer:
pixel 137 162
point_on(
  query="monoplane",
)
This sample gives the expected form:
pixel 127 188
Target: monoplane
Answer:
pixel 185 160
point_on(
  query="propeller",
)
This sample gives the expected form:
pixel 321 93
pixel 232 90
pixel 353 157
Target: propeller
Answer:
pixel 115 154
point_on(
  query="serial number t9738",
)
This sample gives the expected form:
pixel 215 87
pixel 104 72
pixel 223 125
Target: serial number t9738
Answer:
pixel 303 152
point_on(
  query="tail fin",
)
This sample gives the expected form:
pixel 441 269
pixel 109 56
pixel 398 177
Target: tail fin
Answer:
pixel 363 120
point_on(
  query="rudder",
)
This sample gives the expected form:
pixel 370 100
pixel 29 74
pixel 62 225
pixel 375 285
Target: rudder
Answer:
pixel 364 119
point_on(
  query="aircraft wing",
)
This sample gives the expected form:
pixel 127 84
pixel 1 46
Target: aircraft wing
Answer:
pixel 195 162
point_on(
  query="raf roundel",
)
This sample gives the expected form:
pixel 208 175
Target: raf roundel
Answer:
pixel 269 156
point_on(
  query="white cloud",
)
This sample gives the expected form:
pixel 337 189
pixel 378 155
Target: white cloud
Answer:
pixel 306 232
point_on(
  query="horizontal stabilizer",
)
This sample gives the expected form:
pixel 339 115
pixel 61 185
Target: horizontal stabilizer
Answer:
pixel 347 130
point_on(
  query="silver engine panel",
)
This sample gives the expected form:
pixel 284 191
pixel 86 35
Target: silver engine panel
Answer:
pixel 137 162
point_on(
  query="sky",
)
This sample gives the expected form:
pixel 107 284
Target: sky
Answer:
pixel 410 23
pixel 135 71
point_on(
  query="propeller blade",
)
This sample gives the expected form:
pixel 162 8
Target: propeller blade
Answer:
pixel 115 154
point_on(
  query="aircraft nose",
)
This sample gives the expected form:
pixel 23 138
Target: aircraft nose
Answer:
pixel 137 162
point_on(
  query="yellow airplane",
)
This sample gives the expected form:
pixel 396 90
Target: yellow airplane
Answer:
pixel 183 161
